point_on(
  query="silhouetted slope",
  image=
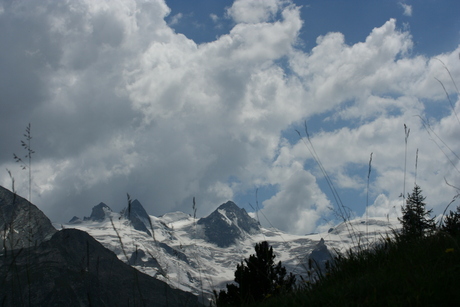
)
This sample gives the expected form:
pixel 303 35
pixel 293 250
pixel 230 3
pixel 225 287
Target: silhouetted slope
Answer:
pixel 73 269
pixel 22 224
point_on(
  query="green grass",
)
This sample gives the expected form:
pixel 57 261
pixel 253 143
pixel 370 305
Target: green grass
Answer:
pixel 421 272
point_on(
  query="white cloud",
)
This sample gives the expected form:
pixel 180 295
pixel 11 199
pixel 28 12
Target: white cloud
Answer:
pixel 175 19
pixel 383 207
pixel 214 17
pixel 120 103
pixel 298 205
pixel 407 9
pixel 254 11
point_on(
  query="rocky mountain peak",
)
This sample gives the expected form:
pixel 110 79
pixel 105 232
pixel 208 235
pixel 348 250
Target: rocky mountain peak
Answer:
pixel 99 212
pixel 22 224
pixel 227 224
pixel 320 255
pixel 139 218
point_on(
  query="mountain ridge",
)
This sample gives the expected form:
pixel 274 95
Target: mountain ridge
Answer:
pixel 179 250
pixel 72 268
pixel 181 253
pixel 228 223
pixel 22 224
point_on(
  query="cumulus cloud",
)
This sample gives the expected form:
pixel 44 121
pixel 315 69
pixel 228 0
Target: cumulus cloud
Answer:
pixel 121 103
pixel 214 17
pixel 175 19
pixel 300 203
pixel 254 11
pixel 407 9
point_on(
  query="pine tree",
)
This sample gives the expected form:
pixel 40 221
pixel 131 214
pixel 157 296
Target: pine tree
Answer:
pixel 451 222
pixel 258 278
pixel 416 219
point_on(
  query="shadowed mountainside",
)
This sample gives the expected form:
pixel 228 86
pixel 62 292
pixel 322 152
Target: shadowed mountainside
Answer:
pixel 68 267
pixel 22 224
pixel 73 269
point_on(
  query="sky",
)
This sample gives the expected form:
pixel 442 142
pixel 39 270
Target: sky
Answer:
pixel 232 100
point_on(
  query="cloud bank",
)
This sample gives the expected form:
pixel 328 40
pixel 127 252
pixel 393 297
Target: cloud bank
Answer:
pixel 121 103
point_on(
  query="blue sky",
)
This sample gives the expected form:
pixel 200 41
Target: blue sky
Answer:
pixel 169 100
pixel 433 24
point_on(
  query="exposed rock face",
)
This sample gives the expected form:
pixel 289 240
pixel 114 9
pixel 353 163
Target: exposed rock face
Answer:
pixel 320 256
pixel 22 224
pixel 73 269
pixel 99 212
pixel 138 217
pixel 228 223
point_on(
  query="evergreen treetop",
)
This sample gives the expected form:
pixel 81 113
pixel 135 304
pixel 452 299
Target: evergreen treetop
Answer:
pixel 416 218
pixel 257 278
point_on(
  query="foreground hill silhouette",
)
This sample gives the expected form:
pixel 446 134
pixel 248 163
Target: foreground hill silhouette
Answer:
pixel 22 224
pixel 73 269
pixel 422 272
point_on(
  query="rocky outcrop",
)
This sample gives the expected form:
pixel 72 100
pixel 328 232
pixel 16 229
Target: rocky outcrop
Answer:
pixel 139 218
pixel 227 224
pixel 22 224
pixel 320 256
pixel 99 212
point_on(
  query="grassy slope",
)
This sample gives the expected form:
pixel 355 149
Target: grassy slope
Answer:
pixel 425 272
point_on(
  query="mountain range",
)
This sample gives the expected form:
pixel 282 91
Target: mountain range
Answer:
pixel 68 267
pixel 198 256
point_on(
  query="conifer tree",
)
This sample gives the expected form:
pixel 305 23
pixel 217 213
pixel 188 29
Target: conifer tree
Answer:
pixel 451 222
pixel 257 278
pixel 416 219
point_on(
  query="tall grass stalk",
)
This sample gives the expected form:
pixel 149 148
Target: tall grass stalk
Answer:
pixel 445 91
pixel 194 243
pixel 416 167
pixel 8 231
pixel 29 152
pixel 431 131
pixel 406 137
pixel 300 261
pixel 344 212
pixel 27 146
pixel 367 195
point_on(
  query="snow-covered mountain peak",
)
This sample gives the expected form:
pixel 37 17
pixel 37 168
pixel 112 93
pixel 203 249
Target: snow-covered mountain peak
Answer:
pixel 139 218
pixel 202 255
pixel 227 224
pixel 100 212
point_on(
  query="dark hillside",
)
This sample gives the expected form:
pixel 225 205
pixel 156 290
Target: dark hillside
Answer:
pixel 73 269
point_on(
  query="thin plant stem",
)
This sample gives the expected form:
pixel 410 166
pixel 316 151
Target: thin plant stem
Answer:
pixel 406 137
pixel 367 195
pixel 416 166
pixel 343 212
pixel 428 128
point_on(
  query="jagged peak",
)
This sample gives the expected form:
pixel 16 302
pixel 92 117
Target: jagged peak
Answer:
pixel 75 220
pixel 228 223
pixel 229 205
pixel 139 218
pixel 99 212
pixel 29 224
pixel 134 208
